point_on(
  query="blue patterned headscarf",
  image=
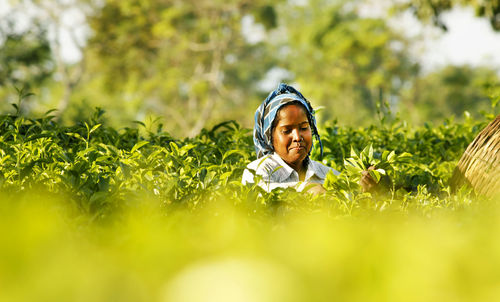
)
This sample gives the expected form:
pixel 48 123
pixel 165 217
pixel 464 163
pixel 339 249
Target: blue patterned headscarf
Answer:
pixel 265 114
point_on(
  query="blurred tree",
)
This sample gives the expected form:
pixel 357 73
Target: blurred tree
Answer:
pixel 60 20
pixel 187 60
pixel 341 61
pixel 449 91
pixel 431 10
pixel 200 62
pixel 26 61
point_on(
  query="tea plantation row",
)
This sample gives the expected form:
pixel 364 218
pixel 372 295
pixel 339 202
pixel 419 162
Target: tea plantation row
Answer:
pixel 101 170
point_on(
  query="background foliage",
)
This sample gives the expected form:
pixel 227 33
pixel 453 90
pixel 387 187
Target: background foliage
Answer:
pixel 196 64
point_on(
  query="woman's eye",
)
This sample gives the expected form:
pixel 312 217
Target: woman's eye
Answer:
pixel 286 131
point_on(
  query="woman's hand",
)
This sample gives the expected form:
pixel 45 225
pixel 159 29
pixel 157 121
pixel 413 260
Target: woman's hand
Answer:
pixel 316 189
pixel 368 184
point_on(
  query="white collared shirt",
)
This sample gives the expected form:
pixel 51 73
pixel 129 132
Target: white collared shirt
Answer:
pixel 276 173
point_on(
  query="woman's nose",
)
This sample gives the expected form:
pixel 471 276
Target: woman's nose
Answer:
pixel 296 136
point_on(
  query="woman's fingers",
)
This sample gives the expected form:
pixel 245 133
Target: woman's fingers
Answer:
pixel 367 182
pixel 317 189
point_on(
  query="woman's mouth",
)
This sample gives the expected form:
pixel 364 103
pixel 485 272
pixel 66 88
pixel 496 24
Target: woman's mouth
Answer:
pixel 297 148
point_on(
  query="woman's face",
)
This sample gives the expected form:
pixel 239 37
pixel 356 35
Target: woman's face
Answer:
pixel 292 138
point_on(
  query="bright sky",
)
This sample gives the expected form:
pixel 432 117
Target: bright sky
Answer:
pixel 72 29
pixel 469 40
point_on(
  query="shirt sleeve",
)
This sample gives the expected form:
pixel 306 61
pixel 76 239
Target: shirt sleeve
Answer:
pixel 247 177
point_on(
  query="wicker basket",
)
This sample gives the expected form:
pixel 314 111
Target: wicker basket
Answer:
pixel 479 166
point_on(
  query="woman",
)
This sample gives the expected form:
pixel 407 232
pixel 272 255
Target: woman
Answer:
pixel 283 133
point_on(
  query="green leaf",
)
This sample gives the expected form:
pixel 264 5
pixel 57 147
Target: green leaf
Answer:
pixel 185 149
pixel 174 148
pixel 385 155
pixel 77 135
pixel 94 128
pixel 225 176
pixel 353 163
pixel 353 153
pixel 125 169
pixel 404 157
pixel 276 169
pixel 231 152
pixel 138 146
pixel 391 157
pixel 375 175
pixel 352 170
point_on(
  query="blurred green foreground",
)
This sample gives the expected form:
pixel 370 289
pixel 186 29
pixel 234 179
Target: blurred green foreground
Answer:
pixel 93 213
pixel 226 252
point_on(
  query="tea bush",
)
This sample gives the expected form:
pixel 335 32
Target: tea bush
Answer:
pixel 102 169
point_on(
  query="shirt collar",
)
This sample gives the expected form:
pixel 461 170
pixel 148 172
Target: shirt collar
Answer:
pixel 286 171
pixel 314 168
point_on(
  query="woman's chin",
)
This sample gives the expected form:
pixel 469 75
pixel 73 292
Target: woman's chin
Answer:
pixel 296 158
